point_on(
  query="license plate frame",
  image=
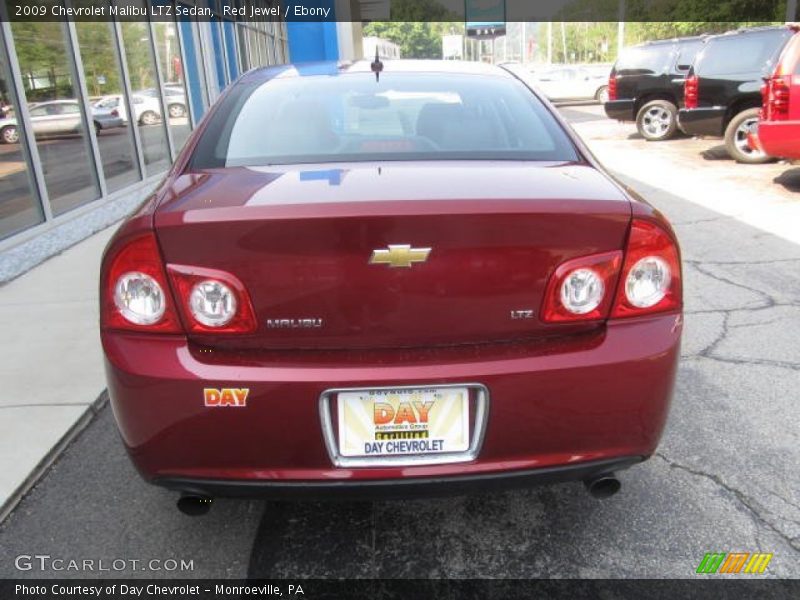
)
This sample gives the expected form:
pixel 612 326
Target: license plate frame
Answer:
pixel 478 404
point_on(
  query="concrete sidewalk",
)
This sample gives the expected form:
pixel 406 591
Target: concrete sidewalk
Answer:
pixel 50 363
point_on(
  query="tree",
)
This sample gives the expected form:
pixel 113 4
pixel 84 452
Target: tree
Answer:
pixel 417 27
pixel 416 39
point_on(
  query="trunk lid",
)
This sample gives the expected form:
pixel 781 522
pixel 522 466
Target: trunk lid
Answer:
pixel 301 241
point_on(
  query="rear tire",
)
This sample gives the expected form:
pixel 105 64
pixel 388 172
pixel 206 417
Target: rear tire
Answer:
pixel 9 134
pixel 177 110
pixel 657 120
pixel 736 139
pixel 602 95
pixel 148 118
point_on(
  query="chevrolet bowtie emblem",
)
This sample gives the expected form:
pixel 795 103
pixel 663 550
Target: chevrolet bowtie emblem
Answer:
pixel 399 255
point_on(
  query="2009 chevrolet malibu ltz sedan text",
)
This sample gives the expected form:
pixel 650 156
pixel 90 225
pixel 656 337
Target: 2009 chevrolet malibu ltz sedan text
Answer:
pixel 412 280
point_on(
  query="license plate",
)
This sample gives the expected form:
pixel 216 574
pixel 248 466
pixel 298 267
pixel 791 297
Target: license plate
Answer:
pixel 405 421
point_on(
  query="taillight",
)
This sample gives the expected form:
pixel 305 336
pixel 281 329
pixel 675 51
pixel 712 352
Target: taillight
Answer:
pixel 600 286
pixel 612 87
pixel 581 289
pixel 115 113
pixel 691 90
pixel 650 281
pixel 135 292
pixel 775 95
pixel 212 301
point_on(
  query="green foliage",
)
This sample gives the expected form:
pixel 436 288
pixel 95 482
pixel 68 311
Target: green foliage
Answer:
pixel 97 53
pixel 416 39
pixel 417 26
pixel 640 32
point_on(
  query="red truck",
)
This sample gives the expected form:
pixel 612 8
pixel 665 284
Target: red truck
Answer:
pixel 779 124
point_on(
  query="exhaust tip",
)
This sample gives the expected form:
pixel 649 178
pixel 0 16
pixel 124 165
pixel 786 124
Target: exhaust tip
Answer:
pixel 604 486
pixel 193 505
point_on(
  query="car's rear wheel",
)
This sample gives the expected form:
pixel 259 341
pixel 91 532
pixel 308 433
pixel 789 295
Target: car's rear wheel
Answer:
pixel 657 120
pixel 602 95
pixel 736 142
pixel 149 118
pixel 177 110
pixel 9 134
pixel 97 129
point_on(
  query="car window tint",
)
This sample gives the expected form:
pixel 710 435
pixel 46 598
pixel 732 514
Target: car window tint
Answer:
pixel 645 59
pixel 70 109
pixel 39 112
pixel 403 117
pixel 687 52
pixel 750 53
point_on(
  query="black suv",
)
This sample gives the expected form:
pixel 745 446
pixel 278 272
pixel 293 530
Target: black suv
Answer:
pixel 646 85
pixel 723 87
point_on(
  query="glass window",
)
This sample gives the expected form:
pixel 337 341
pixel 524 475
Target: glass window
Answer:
pixel 19 208
pixel 146 100
pixel 103 74
pixel 408 117
pixel 270 48
pixel 169 55
pixel 686 54
pixel 244 55
pixel 257 47
pixel 741 53
pixel 230 43
pixel 219 52
pixel 57 122
pixel 193 78
pixel 645 59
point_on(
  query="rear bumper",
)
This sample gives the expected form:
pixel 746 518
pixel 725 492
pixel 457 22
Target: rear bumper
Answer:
pixel 557 404
pixel 621 110
pixel 111 123
pixel 779 138
pixel 396 488
pixel 706 121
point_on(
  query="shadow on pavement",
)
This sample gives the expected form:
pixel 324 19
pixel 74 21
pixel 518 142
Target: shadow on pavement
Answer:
pixel 716 153
pixel 789 179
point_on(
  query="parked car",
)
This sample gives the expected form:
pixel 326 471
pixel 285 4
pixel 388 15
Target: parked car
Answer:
pixel 147 109
pixel 722 92
pixel 566 82
pixel 174 96
pixel 330 294
pixel 778 131
pixel 58 117
pixel 646 85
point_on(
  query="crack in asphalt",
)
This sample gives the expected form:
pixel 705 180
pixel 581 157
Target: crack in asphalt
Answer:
pixel 747 502
pixel 699 221
pixel 774 261
pixel 767 302
pixel 770 301
pixel 714 311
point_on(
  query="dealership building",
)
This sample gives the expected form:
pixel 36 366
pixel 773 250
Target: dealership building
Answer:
pixel 95 112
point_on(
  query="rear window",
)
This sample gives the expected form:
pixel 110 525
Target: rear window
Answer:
pixel 645 59
pixel 404 116
pixel 748 53
pixel 687 52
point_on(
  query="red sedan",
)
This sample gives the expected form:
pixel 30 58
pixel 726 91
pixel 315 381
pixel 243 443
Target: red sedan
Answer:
pixel 419 284
pixel 779 125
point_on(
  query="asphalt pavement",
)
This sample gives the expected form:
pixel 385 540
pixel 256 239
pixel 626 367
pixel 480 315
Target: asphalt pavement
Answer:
pixel 724 479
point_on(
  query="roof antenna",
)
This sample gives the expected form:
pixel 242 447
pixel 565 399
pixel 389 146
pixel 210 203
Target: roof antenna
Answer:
pixel 377 66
